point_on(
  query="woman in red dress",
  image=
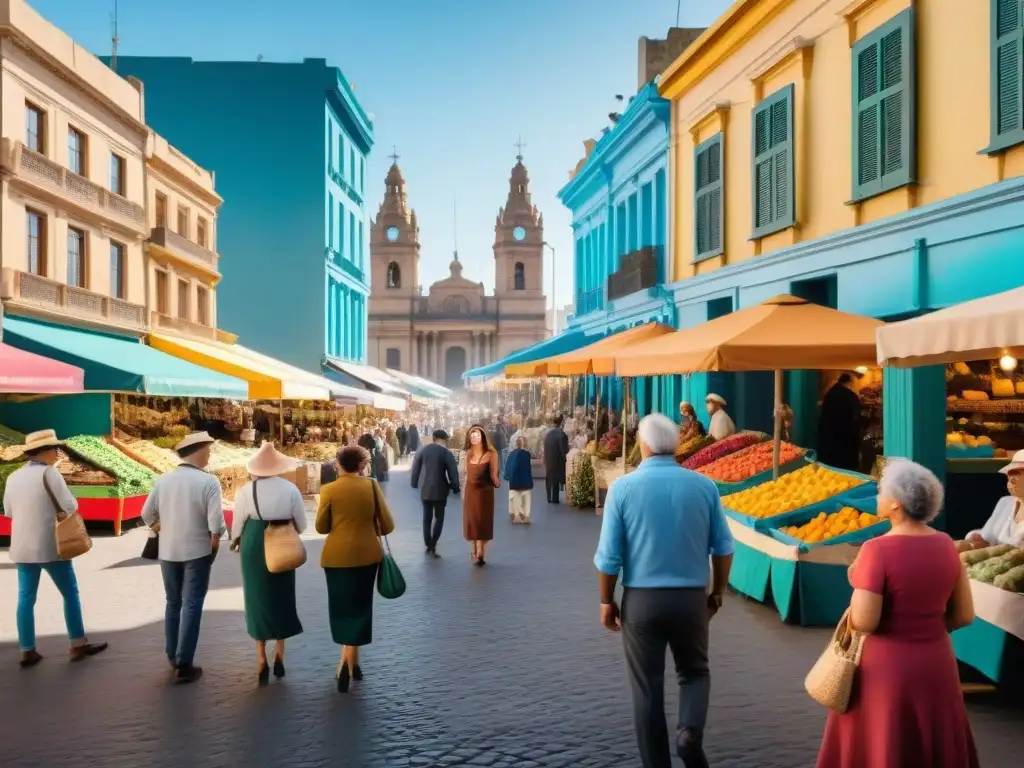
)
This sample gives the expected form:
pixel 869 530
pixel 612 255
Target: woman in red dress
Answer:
pixel 910 591
pixel 479 480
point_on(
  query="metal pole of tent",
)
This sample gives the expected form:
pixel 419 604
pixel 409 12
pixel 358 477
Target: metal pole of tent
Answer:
pixel 777 446
pixel 597 409
pixel 625 411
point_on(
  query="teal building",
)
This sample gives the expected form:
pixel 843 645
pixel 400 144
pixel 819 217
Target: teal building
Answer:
pixel 289 144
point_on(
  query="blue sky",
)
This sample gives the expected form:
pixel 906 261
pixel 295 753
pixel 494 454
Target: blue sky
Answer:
pixel 450 83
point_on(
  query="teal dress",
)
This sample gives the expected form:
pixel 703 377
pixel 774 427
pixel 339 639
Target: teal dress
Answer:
pixel 270 612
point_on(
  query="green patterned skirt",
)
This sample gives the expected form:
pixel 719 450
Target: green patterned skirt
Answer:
pixel 270 612
pixel 350 603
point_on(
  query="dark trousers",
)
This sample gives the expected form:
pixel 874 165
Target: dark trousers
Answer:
pixel 185 587
pixel 553 486
pixel 653 619
pixel 433 522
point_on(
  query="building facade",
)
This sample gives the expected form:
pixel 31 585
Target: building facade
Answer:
pixel 288 142
pixel 838 151
pixel 455 326
pixel 73 190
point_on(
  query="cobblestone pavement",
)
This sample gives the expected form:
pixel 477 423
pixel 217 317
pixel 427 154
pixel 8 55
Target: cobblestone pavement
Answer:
pixel 501 666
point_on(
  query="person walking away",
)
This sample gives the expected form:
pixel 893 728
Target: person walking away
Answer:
pixel 556 448
pixel 186 509
pixel 270 612
pixel 435 473
pixel 499 439
pixel 519 476
pixel 721 425
pixel 400 433
pixel 481 478
pixel 34 496
pixel 660 524
pixel 412 439
pixel 840 425
pixel 354 515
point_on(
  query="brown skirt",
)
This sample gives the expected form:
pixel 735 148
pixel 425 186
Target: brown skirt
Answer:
pixel 478 512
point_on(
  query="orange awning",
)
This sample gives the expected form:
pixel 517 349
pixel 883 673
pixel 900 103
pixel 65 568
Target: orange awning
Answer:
pixel 597 358
pixel 783 333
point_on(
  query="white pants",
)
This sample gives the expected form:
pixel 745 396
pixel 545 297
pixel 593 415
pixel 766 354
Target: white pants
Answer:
pixel 519 505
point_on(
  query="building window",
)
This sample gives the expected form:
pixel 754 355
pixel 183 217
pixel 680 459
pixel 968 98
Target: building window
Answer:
pixel 330 220
pixel 519 281
pixel 393 359
pixel 36 231
pixel 161 292
pixel 77 144
pixel 183 221
pixel 1007 63
pixel 117 174
pixel 201 232
pixel 341 230
pixel 352 237
pixel 202 305
pixel 773 193
pixel 117 273
pixel 394 275
pixel 184 293
pixel 76 258
pixel 161 210
pixel 884 135
pixel 35 128
pixel 621 228
pixel 352 166
pixel 708 209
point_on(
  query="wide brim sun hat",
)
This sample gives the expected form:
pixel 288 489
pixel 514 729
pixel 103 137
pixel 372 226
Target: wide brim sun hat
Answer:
pixel 196 438
pixel 43 438
pixel 269 462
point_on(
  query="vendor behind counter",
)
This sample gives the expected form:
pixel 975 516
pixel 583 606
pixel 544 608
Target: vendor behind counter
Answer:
pixel 1006 523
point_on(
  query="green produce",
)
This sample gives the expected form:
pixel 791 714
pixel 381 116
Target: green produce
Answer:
pixel 133 479
pixel 988 570
pixel 6 470
pixel 1012 580
pixel 978 555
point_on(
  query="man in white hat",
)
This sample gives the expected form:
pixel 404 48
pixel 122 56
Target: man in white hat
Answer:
pixel 185 507
pixel 33 497
pixel 722 425
pixel 1006 523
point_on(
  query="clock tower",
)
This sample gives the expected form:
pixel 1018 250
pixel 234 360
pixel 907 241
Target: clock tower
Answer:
pixel 519 240
pixel 395 242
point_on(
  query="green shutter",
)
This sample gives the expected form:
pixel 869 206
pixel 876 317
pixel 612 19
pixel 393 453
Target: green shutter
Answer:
pixel 708 201
pixel 774 195
pixel 884 115
pixel 1007 74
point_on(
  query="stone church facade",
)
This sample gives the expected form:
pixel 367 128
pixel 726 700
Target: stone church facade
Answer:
pixel 456 325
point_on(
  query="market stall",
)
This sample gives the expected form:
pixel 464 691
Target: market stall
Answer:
pixel 25 373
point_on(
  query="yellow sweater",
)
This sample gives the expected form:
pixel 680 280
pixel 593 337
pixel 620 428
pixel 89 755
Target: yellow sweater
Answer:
pixel 346 515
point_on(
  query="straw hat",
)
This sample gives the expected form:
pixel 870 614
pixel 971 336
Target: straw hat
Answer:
pixel 713 398
pixel 269 462
pixel 196 438
pixel 44 438
pixel 1017 462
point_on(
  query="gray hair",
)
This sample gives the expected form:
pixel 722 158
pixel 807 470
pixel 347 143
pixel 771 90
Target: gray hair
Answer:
pixel 916 489
pixel 659 433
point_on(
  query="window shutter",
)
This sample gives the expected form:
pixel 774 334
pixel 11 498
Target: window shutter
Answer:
pixel 1007 62
pixel 773 172
pixel 708 206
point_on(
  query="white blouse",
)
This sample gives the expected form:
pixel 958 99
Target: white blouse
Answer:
pixel 721 426
pixel 1001 527
pixel 279 500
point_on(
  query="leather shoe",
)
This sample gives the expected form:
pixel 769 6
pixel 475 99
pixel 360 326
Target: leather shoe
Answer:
pixel 80 652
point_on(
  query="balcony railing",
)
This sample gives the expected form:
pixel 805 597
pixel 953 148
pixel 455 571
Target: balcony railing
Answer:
pixel 637 271
pixel 346 266
pixel 46 176
pixel 589 301
pixel 164 322
pixel 347 188
pixel 33 291
pixel 167 238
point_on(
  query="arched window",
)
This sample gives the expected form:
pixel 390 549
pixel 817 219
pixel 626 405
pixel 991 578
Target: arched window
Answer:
pixel 519 283
pixel 393 359
pixel 394 275
pixel 456 305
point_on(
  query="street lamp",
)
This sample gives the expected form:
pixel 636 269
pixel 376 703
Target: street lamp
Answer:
pixel 554 310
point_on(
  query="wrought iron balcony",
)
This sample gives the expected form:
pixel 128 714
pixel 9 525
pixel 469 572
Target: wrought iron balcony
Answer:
pixel 637 272
pixel 162 322
pixel 169 240
pixel 589 301
pixel 32 291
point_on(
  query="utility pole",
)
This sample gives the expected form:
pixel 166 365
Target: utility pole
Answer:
pixel 114 40
pixel 554 286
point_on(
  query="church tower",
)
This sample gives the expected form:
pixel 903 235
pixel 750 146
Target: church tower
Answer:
pixel 519 240
pixel 395 243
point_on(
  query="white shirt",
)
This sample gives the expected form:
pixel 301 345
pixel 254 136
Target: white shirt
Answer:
pixel 1001 527
pixel 279 500
pixel 33 518
pixel 721 426
pixel 187 504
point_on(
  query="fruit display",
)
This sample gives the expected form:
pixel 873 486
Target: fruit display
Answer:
pixel 976 556
pixel 132 478
pixel 790 492
pixel 687 448
pixel 161 459
pixel 987 570
pixel 610 445
pixel 747 462
pixel 1012 580
pixel 825 526
pixel 721 448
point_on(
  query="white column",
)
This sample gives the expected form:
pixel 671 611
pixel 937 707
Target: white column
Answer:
pixel 413 342
pixel 472 349
pixel 440 359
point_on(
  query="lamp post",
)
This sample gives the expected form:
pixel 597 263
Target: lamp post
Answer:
pixel 554 310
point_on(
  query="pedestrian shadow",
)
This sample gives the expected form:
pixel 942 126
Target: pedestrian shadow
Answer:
pixel 132 562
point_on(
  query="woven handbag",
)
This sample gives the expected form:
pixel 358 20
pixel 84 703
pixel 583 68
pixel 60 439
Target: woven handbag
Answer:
pixel 72 538
pixel 282 546
pixel 390 582
pixel 830 681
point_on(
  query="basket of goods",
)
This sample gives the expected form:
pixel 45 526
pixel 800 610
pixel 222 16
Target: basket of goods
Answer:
pixel 762 506
pixel 724 447
pixel 748 463
pixel 838 523
pixel 990 568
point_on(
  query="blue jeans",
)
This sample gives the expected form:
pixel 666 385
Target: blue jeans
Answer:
pixel 62 573
pixel 185 586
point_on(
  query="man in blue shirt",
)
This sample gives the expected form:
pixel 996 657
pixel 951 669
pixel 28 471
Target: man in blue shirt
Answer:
pixel 661 523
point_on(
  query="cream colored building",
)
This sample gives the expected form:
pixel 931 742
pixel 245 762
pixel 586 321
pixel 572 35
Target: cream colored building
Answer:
pixel 73 189
pixel 456 325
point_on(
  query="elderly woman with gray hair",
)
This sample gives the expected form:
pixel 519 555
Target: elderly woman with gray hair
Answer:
pixel 910 591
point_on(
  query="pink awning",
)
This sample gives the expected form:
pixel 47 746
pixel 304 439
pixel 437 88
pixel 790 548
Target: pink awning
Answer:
pixel 28 374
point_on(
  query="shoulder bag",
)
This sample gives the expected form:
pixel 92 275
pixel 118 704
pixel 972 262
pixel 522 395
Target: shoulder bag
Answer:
pixel 72 538
pixel 830 681
pixel 390 582
pixel 282 546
